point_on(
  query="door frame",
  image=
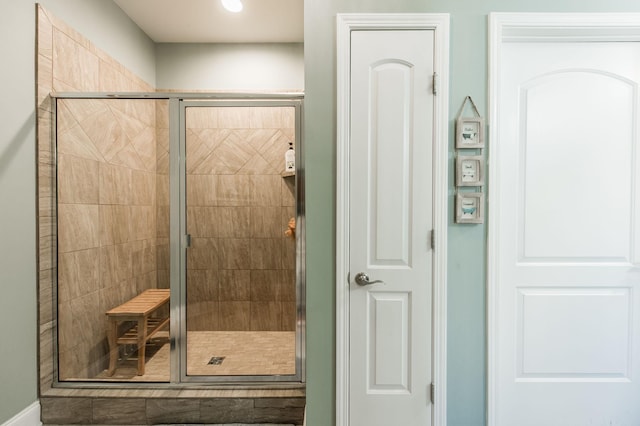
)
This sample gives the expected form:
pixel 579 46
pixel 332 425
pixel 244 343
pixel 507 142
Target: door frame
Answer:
pixel 528 27
pixel 439 23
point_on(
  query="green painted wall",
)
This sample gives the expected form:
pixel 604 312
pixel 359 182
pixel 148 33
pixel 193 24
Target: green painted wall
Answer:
pixel 17 209
pixel 230 66
pixel 466 283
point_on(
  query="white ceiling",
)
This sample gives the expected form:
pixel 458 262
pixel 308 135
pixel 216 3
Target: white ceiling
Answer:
pixel 206 21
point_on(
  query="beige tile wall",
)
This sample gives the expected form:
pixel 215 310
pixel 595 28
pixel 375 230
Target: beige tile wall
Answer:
pixel 106 198
pixel 106 221
pixel 241 267
pixel 138 411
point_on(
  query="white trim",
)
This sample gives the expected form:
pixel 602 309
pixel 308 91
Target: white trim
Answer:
pixel 439 22
pixel 30 416
pixel 528 27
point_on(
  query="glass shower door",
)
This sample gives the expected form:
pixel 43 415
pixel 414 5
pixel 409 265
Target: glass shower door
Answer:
pixel 241 291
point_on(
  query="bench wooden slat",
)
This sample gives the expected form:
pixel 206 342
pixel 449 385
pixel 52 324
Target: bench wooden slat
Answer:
pixel 143 304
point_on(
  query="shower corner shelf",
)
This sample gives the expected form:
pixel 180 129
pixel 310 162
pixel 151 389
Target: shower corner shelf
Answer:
pixel 288 174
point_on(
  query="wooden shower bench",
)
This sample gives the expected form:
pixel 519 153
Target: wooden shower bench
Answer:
pixel 138 310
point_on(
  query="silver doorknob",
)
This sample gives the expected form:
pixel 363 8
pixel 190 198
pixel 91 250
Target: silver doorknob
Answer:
pixel 363 279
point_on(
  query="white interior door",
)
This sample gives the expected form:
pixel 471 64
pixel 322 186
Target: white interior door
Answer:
pixel 567 277
pixel 391 219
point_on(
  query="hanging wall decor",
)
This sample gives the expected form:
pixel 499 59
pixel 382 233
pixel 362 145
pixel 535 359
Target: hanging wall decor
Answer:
pixel 470 130
pixel 470 170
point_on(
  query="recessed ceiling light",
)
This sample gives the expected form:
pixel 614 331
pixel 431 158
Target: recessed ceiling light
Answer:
pixel 232 5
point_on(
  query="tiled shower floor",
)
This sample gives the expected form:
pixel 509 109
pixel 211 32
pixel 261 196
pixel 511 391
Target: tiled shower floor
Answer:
pixel 244 352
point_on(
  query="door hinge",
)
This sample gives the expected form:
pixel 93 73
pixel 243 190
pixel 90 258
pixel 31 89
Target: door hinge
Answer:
pixel 433 239
pixel 187 241
pixel 432 393
pixel 435 83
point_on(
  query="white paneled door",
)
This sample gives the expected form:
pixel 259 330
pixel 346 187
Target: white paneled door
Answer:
pixel 391 218
pixel 566 334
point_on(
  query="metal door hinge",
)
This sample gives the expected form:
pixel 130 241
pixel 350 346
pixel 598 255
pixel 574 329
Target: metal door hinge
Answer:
pixel 432 393
pixel 435 83
pixel 433 239
pixel 187 240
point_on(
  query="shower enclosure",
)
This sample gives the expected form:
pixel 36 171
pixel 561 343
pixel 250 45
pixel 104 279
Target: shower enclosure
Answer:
pixel 180 238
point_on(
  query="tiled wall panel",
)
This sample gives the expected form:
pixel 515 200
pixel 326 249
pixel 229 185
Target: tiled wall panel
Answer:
pixel 106 222
pixel 101 221
pixel 140 411
pixel 241 267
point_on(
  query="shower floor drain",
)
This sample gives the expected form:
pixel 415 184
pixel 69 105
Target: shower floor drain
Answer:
pixel 216 360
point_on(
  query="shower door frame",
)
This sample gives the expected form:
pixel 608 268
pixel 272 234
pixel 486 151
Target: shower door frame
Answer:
pixel 179 242
pixel 178 101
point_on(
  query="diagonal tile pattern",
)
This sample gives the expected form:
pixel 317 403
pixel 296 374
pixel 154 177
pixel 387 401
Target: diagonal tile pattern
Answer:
pixel 238 202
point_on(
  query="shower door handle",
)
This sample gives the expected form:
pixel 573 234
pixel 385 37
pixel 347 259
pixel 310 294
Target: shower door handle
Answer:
pixel 363 279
